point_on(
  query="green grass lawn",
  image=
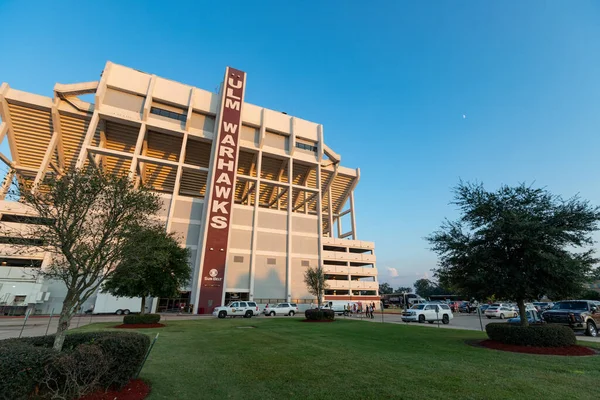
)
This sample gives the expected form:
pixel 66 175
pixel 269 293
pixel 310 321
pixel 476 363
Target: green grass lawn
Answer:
pixel 284 358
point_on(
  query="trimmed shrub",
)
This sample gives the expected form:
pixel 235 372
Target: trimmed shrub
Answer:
pixel 75 373
pixel 21 369
pixel 88 361
pixel 548 335
pixel 126 351
pixel 318 315
pixel 141 319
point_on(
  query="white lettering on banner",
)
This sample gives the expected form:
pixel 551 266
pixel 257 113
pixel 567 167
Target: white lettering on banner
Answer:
pixel 221 164
pixel 223 178
pixel 234 105
pixel 229 127
pixel 223 192
pixel 228 139
pixel 230 94
pixel 225 151
pixel 219 206
pixel 225 165
pixel 218 222
pixel 232 83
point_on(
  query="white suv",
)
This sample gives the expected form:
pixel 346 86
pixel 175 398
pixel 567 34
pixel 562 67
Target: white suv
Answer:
pixel 282 309
pixel 246 309
pixel 429 312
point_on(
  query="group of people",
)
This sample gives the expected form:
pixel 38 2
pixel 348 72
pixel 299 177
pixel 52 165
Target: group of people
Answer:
pixel 359 308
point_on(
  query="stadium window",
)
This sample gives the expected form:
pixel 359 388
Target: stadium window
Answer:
pixel 169 114
pixel 22 241
pixel 24 219
pixel 305 146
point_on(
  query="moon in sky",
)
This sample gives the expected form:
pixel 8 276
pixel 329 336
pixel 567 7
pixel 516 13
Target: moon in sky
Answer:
pixel 464 116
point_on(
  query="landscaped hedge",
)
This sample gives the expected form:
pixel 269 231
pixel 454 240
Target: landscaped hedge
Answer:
pixel 88 362
pixel 318 315
pixel 534 335
pixel 141 319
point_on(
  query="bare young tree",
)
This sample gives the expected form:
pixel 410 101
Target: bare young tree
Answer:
pixel 85 216
pixel 315 282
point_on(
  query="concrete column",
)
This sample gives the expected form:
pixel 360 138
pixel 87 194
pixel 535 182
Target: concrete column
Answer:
pixel 288 278
pixel 255 223
pixel 354 234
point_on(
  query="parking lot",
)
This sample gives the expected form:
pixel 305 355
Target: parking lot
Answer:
pixel 460 321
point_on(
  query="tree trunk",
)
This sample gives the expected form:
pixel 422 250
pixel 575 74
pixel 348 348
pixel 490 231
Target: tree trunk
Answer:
pixel 522 313
pixel 143 311
pixel 63 323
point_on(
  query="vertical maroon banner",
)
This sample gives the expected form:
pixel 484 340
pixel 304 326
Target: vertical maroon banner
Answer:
pixel 222 188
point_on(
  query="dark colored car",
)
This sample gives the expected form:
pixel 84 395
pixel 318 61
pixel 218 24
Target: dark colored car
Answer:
pixel 580 315
pixel 466 307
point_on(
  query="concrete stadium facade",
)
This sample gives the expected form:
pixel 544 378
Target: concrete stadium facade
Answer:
pixel 255 194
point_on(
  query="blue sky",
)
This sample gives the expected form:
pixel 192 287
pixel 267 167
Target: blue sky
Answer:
pixel 390 83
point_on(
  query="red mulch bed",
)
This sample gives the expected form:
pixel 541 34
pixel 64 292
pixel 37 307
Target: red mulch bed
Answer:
pixel 554 351
pixel 136 389
pixel 315 320
pixel 139 326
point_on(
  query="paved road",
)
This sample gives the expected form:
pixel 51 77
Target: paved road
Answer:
pixel 37 326
pixel 460 321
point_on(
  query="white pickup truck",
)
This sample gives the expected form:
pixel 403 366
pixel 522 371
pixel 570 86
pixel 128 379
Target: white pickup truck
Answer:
pixel 246 309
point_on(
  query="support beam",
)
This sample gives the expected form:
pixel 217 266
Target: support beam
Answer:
pixel 56 126
pixel 177 182
pixel 3 130
pixel 137 151
pixel 353 217
pixel 88 139
pixel 45 161
pixel 345 235
pixel 249 192
pixel 76 89
pixel 279 176
pixel 288 267
pixel 255 224
pixel 330 213
pixel 279 196
pixel 5 115
pixel 109 152
pixel 99 158
pixel 252 169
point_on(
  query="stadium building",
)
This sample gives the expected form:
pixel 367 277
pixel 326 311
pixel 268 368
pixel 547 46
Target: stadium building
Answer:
pixel 256 194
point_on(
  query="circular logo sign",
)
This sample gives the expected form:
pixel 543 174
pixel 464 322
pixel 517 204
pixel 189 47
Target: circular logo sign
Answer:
pixel 213 272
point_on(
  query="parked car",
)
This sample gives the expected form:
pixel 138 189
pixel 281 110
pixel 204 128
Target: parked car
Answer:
pixel 483 307
pixel 282 309
pixel 246 309
pixel 532 317
pixel 467 307
pixel 580 315
pixel 429 312
pixel 543 305
pixel 500 312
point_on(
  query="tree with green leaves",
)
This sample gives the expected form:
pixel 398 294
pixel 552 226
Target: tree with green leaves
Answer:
pixel 404 289
pixel 154 264
pixel 86 217
pixel 516 243
pixel 314 278
pixel 425 288
pixel 385 288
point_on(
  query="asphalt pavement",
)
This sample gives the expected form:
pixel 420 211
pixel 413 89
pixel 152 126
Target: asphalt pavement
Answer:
pixel 470 322
pixel 37 326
